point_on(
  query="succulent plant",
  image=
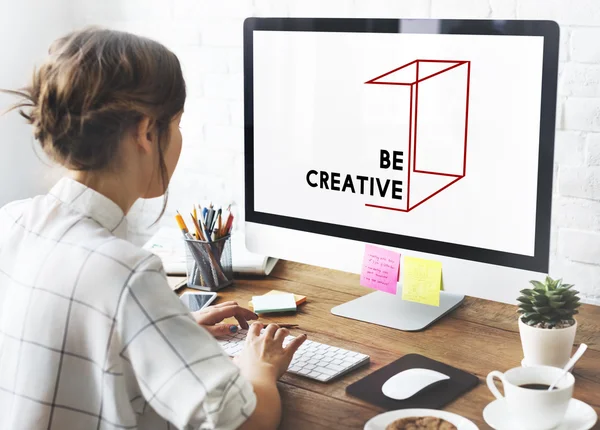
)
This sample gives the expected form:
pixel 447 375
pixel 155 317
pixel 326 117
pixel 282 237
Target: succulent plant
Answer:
pixel 549 304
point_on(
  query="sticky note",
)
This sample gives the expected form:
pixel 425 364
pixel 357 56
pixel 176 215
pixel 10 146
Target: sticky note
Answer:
pixel 299 298
pixel 380 269
pixel 422 281
pixel 274 303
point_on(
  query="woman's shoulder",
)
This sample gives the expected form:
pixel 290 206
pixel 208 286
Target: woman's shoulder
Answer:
pixel 131 256
pixel 11 213
pixel 15 208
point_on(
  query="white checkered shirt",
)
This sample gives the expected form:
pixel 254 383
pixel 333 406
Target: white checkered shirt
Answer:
pixel 91 335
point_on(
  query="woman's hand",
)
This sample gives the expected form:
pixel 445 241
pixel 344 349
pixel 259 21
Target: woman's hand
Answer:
pixel 210 318
pixel 264 357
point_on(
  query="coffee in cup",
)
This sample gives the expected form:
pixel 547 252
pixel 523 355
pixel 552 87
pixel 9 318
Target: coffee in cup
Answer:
pixel 528 401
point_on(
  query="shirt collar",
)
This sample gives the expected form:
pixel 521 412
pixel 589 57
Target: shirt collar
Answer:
pixel 92 204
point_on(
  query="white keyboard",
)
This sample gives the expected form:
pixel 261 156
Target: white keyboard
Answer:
pixel 313 359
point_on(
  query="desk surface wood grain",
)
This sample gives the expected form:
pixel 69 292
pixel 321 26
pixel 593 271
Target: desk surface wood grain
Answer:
pixel 478 337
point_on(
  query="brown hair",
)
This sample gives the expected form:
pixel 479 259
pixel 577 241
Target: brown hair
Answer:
pixel 95 86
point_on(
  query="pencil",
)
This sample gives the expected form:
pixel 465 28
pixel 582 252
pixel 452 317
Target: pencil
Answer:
pixel 223 231
pixel 181 224
pixel 229 224
pixel 197 227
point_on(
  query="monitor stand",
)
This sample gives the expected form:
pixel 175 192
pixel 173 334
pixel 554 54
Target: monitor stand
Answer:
pixel 391 311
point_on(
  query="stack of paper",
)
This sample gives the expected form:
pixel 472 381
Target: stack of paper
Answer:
pixel 269 303
pixel 297 297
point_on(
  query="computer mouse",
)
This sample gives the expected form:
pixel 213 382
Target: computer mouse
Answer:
pixel 409 382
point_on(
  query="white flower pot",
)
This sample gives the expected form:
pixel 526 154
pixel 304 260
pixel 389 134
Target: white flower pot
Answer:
pixel 547 347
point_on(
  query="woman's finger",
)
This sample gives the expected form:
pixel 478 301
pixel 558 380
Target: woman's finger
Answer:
pixel 271 330
pixel 219 314
pixel 220 305
pixel 293 346
pixel 221 329
pixel 280 335
pixel 254 330
pixel 242 321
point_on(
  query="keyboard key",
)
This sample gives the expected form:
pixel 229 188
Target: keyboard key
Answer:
pixel 325 370
pixel 334 367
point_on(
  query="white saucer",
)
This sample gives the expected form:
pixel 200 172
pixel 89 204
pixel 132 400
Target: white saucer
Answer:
pixel 381 421
pixel 579 416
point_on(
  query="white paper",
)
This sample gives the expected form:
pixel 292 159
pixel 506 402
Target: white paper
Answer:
pixel 168 244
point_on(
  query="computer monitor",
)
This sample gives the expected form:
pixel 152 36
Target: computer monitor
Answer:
pixel 434 138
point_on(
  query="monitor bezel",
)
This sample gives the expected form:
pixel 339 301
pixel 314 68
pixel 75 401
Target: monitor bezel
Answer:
pixel 549 30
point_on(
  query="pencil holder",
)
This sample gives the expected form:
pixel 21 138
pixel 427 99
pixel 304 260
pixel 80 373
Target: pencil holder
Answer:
pixel 209 266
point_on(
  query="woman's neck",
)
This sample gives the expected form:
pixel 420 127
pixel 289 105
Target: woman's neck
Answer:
pixel 112 186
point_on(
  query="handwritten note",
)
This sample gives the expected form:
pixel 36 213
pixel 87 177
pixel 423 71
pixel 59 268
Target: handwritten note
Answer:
pixel 380 269
pixel 422 281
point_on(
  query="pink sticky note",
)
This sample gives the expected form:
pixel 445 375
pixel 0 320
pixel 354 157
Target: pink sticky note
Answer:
pixel 380 269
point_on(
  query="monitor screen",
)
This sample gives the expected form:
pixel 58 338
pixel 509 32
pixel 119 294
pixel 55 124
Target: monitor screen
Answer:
pixel 424 141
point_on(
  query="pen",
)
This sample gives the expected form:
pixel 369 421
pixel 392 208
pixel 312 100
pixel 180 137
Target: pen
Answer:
pixel 209 218
pixel 205 230
pixel 218 221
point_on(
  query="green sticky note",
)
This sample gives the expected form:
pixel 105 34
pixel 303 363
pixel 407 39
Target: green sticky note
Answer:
pixel 274 303
pixel 422 281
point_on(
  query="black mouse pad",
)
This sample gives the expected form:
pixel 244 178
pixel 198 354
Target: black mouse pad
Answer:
pixel 433 397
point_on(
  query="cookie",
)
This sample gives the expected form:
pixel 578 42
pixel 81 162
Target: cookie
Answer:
pixel 420 423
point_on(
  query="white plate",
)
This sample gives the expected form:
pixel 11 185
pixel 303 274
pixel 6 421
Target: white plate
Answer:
pixel 380 421
pixel 579 416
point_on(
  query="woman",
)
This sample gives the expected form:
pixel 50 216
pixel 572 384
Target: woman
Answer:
pixel 91 336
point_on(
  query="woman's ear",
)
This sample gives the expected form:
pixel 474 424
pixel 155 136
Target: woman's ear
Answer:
pixel 145 134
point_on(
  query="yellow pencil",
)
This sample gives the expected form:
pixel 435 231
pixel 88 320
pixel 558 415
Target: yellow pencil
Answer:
pixel 181 224
pixel 199 234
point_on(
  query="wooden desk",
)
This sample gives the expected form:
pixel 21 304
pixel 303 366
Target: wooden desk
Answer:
pixel 479 337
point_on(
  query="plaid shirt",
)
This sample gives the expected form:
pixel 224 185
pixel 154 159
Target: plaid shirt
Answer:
pixel 91 335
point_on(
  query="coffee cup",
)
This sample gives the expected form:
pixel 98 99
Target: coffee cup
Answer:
pixel 529 403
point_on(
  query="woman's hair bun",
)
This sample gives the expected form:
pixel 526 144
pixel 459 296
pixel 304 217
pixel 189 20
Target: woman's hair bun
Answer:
pixel 95 85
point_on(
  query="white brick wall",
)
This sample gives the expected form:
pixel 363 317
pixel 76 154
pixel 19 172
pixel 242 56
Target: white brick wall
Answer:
pixel 207 36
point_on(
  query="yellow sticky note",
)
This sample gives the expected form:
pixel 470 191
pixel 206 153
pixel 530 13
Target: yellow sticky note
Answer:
pixel 422 281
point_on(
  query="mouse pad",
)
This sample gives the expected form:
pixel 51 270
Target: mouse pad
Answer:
pixel 433 397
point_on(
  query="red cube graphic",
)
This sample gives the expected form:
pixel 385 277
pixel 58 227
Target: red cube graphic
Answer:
pixel 428 122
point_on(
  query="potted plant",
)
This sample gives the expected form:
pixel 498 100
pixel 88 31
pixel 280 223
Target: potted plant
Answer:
pixel 547 324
